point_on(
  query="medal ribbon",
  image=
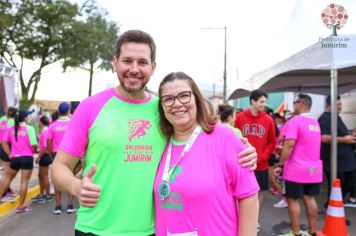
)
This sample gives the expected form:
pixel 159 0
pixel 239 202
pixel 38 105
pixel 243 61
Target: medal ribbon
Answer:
pixel 168 171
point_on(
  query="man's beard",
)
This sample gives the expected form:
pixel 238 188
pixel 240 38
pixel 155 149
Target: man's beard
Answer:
pixel 133 91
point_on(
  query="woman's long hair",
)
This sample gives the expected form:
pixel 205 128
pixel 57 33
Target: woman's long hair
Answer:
pixel 19 117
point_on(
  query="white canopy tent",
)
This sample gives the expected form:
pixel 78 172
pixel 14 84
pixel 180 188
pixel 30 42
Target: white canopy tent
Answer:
pixel 308 71
pixel 326 67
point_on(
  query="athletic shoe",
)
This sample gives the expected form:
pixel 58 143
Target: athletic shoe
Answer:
pixel 8 198
pixel 45 199
pixel 12 194
pixel 57 210
pixel 274 191
pixel 71 209
pixel 258 227
pixel 23 209
pixel 37 198
pixel 350 203
pixel 281 204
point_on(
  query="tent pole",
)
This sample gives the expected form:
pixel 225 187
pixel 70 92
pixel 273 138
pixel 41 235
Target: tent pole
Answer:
pixel 334 92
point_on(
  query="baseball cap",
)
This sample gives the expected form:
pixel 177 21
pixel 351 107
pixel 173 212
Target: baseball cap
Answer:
pixel 24 113
pixel 63 108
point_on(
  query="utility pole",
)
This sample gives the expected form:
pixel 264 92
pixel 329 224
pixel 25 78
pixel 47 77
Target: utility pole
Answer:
pixel 225 73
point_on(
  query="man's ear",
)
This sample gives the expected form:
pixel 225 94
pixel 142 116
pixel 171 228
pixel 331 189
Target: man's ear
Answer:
pixel 113 63
pixel 153 68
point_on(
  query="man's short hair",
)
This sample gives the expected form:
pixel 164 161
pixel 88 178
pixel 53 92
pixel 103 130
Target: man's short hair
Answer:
pixel 328 100
pixel 136 36
pixel 306 99
pixel 257 94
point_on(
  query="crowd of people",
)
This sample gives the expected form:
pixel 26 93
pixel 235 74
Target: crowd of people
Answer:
pixel 167 165
pixel 21 148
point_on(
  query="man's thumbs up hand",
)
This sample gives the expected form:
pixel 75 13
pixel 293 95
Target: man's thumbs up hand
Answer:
pixel 89 192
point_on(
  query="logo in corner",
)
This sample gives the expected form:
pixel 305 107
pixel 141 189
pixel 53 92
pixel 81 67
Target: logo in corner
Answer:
pixel 138 128
pixel 334 17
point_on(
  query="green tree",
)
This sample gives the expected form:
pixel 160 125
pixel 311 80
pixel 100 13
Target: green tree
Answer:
pixel 91 43
pixel 36 31
pixel 5 6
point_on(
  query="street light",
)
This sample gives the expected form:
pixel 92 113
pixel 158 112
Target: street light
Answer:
pixel 222 28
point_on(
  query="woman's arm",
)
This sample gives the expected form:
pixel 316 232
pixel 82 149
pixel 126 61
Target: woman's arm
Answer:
pixel 40 155
pixel 6 148
pixel 248 215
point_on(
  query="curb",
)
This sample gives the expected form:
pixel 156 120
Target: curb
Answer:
pixel 7 207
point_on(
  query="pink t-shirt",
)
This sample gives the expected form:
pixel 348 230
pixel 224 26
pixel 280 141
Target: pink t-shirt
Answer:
pixel 304 164
pixel 56 131
pixel 205 186
pixel 43 139
pixel 26 138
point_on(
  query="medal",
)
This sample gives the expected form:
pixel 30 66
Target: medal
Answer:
pixel 163 190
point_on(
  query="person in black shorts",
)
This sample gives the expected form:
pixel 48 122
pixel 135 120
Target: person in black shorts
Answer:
pixel 44 160
pixel 23 145
pixel 5 123
pixel 300 169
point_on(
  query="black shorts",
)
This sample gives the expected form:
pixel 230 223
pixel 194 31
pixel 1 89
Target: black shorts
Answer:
pixel 298 190
pixel 262 179
pixel 272 160
pixel 45 160
pixel 3 155
pixel 23 163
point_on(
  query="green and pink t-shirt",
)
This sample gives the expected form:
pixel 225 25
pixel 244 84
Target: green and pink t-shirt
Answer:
pixel 204 187
pixel 26 138
pixel 56 131
pixel 122 137
pixel 304 164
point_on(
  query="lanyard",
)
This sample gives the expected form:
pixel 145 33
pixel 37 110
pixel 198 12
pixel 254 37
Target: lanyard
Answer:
pixel 168 171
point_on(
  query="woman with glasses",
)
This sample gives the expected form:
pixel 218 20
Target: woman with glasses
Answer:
pixel 199 188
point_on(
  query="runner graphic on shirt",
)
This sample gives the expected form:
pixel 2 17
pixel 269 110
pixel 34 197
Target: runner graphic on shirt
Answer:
pixel 138 128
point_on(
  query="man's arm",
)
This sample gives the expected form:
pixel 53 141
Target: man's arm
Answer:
pixel 62 174
pixel 348 139
pixel 272 141
pixel 248 215
pixel 287 149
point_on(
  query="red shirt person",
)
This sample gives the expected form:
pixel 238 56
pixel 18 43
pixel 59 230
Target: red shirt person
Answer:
pixel 258 127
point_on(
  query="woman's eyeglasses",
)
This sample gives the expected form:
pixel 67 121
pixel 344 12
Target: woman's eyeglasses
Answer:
pixel 183 97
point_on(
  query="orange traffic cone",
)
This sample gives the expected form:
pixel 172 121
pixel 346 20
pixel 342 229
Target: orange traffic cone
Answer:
pixel 335 224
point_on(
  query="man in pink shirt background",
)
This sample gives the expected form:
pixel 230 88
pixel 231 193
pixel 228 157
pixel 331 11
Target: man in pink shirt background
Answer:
pixel 55 134
pixel 302 169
